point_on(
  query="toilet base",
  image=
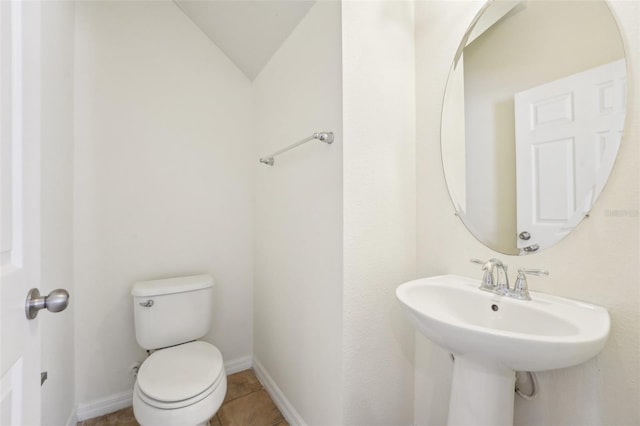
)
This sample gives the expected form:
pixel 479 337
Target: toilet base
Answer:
pixel 197 414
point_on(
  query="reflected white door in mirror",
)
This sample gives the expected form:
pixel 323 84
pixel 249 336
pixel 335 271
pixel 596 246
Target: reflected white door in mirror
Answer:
pixel 567 134
pixel 532 119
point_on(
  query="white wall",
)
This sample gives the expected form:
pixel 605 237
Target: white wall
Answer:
pixel 162 181
pixel 298 220
pixel 57 331
pixel 598 262
pixel 379 210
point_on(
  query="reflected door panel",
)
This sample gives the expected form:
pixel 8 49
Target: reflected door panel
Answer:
pixel 567 136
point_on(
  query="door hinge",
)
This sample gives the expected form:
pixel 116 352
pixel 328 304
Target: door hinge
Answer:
pixel 43 377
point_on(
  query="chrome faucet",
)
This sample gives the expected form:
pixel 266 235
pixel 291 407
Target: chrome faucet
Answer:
pixel 502 286
pixel 496 279
pixel 521 288
pixel 490 278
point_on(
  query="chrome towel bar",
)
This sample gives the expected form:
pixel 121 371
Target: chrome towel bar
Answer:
pixel 326 137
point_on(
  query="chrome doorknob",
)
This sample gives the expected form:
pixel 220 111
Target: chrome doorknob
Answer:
pixel 56 301
pixel 524 235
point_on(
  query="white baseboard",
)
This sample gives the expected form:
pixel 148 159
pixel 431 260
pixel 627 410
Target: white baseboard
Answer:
pixel 110 404
pixel 73 419
pixel 100 407
pixel 286 408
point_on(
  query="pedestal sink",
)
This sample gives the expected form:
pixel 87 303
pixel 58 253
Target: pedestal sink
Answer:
pixel 494 336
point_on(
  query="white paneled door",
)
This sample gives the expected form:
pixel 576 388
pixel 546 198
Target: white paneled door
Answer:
pixel 567 137
pixel 19 210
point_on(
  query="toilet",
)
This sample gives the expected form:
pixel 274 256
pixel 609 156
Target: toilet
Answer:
pixel 183 382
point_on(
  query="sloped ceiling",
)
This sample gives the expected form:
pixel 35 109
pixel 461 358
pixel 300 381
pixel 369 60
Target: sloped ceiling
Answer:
pixel 249 32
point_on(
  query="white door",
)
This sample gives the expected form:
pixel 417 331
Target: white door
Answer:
pixel 567 137
pixel 19 211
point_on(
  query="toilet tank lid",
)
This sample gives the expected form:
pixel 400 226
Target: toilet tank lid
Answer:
pixel 171 285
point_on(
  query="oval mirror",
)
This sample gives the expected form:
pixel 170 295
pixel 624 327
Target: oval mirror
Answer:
pixel 532 119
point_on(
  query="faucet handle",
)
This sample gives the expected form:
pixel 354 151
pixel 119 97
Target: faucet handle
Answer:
pixel 521 288
pixel 491 262
pixel 487 278
pixel 538 272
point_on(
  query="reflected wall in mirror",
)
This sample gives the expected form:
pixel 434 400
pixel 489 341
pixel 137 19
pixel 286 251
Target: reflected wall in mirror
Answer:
pixel 532 119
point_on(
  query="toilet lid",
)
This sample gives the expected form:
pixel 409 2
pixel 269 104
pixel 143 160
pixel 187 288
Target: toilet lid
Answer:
pixel 180 372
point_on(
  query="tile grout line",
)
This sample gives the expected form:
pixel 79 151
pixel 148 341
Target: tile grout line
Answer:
pixel 242 396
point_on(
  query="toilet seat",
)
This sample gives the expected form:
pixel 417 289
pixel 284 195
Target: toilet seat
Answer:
pixel 196 414
pixel 182 403
pixel 181 375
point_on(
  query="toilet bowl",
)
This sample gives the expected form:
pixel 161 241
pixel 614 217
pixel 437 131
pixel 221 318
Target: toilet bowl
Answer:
pixel 183 382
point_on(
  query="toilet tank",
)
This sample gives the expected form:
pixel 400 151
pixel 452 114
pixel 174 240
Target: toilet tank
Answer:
pixel 172 311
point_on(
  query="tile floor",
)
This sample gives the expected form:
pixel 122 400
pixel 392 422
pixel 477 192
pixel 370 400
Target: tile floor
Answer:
pixel 246 403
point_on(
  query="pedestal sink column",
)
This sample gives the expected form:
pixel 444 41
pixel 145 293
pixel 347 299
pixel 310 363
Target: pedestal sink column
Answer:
pixel 482 394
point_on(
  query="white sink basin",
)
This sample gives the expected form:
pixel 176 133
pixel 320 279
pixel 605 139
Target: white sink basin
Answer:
pixel 544 333
pixel 493 336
